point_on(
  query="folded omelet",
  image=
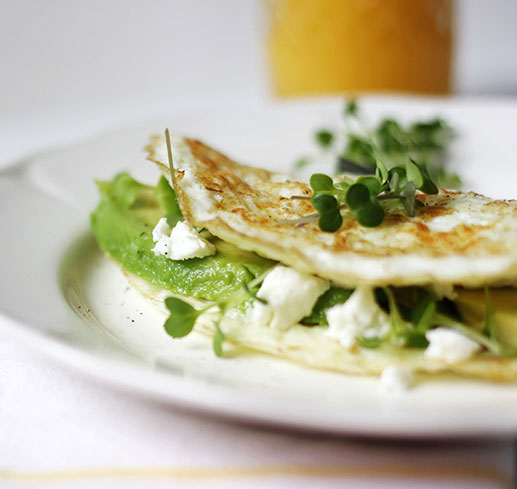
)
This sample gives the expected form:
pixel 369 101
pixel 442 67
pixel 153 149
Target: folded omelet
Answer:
pixel 456 239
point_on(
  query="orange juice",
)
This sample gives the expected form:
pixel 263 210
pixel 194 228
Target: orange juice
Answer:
pixel 335 46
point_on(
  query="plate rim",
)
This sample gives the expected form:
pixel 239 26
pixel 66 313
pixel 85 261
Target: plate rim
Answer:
pixel 82 361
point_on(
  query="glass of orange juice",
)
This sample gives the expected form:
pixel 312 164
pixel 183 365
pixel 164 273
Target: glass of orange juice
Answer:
pixel 353 46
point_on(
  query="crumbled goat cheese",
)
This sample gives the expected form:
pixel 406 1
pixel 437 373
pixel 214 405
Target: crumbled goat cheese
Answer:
pixel 183 243
pixel 449 345
pixel 358 316
pixel 290 296
pixel 161 230
pixel 395 379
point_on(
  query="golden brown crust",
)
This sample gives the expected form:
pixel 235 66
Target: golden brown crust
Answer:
pixel 456 237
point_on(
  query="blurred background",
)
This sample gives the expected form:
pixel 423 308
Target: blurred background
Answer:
pixel 91 65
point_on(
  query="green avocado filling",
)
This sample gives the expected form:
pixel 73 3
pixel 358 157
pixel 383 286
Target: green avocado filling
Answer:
pixel 123 222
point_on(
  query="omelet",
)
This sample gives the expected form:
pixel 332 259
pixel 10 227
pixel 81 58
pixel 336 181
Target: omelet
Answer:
pixel 456 238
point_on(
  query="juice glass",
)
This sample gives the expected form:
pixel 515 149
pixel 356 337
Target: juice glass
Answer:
pixel 337 46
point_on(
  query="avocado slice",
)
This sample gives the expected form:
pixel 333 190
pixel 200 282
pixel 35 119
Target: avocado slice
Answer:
pixel 123 222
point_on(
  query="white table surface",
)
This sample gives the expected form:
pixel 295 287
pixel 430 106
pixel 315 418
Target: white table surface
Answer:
pixel 60 429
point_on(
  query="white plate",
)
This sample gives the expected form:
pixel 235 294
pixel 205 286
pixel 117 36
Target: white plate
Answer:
pixel 60 295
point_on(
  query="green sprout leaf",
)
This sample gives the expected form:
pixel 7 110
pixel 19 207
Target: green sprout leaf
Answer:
pixel 395 182
pixel 372 343
pixel 301 163
pixel 415 339
pixel 252 293
pixel 492 346
pixel 398 325
pixel 391 141
pixel 409 193
pixel 365 197
pixel 330 218
pixel 344 184
pixel 370 215
pixel 357 196
pixel 381 171
pixel 166 197
pixel 361 150
pixel 372 183
pixel 333 296
pixel 324 138
pixel 428 186
pixel 390 136
pixel 217 341
pixel 351 108
pixel 320 182
pixel 125 189
pixel 369 197
pixel 324 203
pixel 183 316
pixel 425 141
pixel 422 313
pixel 330 222
pixel 414 174
pixel 397 178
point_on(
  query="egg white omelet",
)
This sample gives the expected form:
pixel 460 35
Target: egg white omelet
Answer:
pixel 457 239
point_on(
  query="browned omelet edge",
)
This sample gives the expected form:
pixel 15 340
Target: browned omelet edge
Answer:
pixel 466 255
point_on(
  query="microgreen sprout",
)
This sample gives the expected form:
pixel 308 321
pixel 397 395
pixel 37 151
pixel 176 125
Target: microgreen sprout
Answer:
pixel 324 138
pixel 491 345
pixel 372 342
pixel 302 163
pixel 425 313
pixel 217 341
pixel 253 294
pixel 487 338
pixel 183 316
pixel 400 330
pixel 168 202
pixel 426 142
pixel 351 108
pixel 366 197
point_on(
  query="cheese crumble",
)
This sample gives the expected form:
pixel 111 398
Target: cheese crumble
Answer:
pixel 449 346
pixel 290 296
pixel 395 378
pixel 183 243
pixel 358 316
